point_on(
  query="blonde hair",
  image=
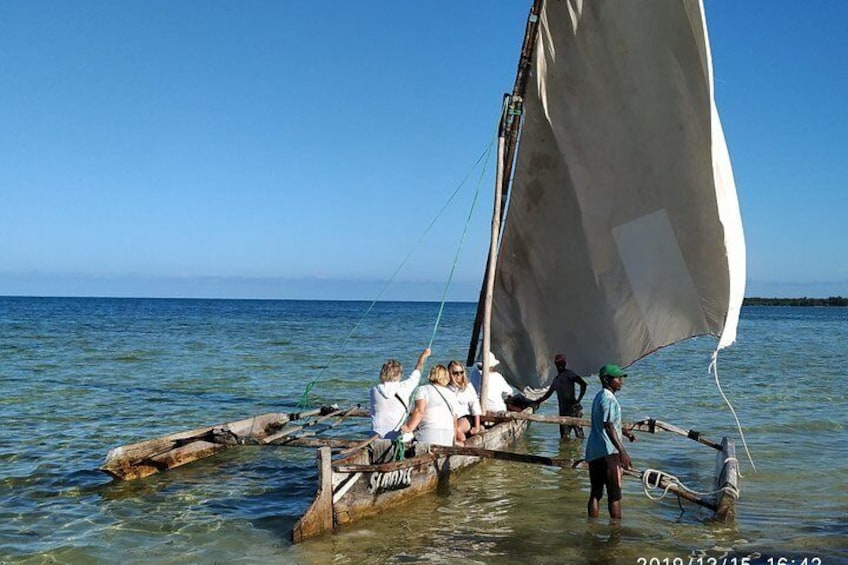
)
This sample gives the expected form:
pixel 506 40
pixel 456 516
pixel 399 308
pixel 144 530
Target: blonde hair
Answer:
pixel 439 375
pixel 391 371
pixel 462 380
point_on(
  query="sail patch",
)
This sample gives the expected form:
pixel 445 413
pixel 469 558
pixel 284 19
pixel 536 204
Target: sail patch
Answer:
pixel 659 278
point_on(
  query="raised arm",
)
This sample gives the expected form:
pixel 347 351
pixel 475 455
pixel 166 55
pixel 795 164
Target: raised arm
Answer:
pixel 547 394
pixel 458 436
pixel 419 366
pixel 475 409
pixel 477 427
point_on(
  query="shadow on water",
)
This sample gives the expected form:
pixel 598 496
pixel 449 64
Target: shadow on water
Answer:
pixel 602 543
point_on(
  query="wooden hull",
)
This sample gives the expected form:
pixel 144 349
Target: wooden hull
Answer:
pixel 367 482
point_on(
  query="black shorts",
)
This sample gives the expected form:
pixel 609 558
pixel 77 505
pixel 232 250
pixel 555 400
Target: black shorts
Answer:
pixel 606 472
pixel 469 418
pixel 518 402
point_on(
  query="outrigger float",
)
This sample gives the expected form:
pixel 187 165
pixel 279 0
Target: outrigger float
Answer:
pixel 149 457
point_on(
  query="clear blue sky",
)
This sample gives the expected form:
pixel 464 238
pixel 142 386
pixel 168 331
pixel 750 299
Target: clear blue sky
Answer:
pixel 299 149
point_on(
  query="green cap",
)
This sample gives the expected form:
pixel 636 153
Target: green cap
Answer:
pixel 611 370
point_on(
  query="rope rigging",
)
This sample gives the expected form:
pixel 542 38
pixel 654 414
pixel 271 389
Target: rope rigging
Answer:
pixel 714 370
pixel 461 242
pixel 653 478
pixel 399 449
pixel 399 444
pixel 484 159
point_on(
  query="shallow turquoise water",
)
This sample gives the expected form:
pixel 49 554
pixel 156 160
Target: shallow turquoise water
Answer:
pixel 80 376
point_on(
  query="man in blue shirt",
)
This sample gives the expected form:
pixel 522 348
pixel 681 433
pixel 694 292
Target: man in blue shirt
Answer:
pixel 604 451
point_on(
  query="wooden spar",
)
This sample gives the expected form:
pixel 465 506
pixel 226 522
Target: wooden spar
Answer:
pixel 513 116
pixel 648 425
pixel 284 433
pixel 288 431
pixel 359 413
pixel 384 467
pixel 507 456
pixel 345 415
pixel 361 444
pixel 490 274
pixel 343 444
pixel 340 414
pixel 507 416
pixel 691 434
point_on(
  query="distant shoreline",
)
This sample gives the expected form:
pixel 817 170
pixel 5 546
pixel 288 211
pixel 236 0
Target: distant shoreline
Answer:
pixel 832 301
pixel 837 301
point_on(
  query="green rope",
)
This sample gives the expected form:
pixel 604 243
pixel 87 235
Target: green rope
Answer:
pixel 400 449
pixel 304 401
pixel 399 442
pixel 461 243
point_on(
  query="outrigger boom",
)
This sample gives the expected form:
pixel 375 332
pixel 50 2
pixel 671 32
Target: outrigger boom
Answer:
pixel 649 425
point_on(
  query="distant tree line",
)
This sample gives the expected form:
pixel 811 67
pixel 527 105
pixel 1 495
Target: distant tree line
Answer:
pixel 832 301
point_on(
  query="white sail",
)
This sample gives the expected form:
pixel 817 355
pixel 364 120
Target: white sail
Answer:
pixel 623 232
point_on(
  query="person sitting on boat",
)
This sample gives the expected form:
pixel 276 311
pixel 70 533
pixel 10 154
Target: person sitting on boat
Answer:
pixel 433 416
pixel 468 403
pixel 563 385
pixel 389 400
pixel 604 450
pixel 497 389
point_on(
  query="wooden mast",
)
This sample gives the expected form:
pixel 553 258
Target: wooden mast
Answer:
pixel 497 215
pixel 510 122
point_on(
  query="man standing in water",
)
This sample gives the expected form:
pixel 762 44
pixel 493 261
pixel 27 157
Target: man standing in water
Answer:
pixel 604 450
pixel 563 385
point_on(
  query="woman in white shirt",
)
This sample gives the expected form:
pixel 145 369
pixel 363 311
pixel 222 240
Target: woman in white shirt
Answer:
pixel 390 398
pixel 434 413
pixel 468 416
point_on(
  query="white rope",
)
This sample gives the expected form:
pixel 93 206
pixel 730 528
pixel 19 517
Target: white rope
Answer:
pixel 737 465
pixel 648 484
pixel 714 370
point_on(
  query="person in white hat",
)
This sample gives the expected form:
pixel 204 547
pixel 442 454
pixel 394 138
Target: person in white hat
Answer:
pixel 497 388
